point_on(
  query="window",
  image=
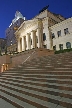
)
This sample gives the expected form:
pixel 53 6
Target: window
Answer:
pixel 37 39
pixel 16 49
pixel 3 47
pixel 61 46
pixel 45 46
pixel 68 45
pixel 53 35
pixel 54 47
pixel 44 37
pixel 59 33
pixel 66 31
pixel 8 32
pixel 31 41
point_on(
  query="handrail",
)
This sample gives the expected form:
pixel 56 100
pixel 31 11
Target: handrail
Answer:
pixel 27 58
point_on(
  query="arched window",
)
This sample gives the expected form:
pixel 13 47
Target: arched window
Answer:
pixel 68 45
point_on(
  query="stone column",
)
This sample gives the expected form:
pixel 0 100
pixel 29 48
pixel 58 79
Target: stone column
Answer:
pixel 19 45
pixel 33 35
pixel 28 40
pixel 50 40
pixel 40 37
pixel 23 43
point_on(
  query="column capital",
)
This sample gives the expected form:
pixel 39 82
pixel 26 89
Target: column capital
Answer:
pixel 22 37
pixel 28 34
pixel 33 31
pixel 40 27
pixel 18 39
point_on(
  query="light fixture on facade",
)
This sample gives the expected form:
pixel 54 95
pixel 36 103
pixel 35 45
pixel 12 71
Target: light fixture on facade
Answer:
pixel 3 64
pixel 11 44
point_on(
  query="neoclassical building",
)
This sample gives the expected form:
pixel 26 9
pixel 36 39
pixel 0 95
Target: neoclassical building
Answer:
pixel 30 35
pixel 37 32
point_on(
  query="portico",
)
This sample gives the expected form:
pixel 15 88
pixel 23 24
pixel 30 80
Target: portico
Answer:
pixel 28 33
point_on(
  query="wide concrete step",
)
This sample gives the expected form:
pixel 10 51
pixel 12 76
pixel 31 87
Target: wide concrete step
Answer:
pixel 5 104
pixel 59 65
pixel 10 101
pixel 22 99
pixel 42 71
pixel 40 99
pixel 14 98
pixel 38 76
pixel 16 76
pixel 50 80
pixel 22 80
pixel 36 86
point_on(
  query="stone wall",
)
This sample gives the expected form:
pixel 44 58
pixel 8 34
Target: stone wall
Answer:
pixel 17 59
pixel 5 59
pixel 5 62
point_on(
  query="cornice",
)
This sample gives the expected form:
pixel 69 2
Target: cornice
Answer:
pixel 61 23
pixel 26 25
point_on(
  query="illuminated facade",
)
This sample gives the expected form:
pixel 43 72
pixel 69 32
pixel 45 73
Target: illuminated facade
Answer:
pixel 46 30
pixel 11 40
pixel 36 33
pixel 61 34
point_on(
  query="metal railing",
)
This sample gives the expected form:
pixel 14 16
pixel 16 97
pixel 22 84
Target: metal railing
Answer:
pixel 28 57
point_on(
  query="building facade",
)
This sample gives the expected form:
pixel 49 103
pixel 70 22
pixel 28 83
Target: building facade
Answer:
pixel 10 36
pixel 36 33
pixel 62 35
pixel 2 46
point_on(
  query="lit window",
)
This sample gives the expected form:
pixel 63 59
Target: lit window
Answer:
pixel 66 31
pixel 59 33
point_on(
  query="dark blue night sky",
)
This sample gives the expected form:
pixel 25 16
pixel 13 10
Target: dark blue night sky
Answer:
pixel 29 9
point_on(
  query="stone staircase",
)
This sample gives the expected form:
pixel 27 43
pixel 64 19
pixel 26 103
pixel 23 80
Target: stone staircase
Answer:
pixel 44 82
